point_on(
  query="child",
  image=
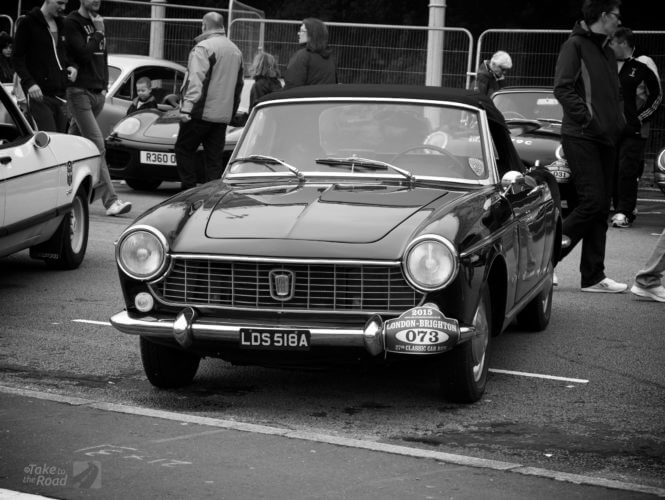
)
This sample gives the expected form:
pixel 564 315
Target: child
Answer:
pixel 144 98
pixel 266 77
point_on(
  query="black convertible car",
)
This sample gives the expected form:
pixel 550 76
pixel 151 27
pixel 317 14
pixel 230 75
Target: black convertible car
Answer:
pixel 353 223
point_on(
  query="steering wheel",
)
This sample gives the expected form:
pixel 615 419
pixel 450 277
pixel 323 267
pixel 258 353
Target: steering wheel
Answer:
pixel 439 150
pixel 513 115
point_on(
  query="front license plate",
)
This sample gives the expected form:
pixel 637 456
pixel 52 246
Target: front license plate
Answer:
pixel 155 158
pixel 275 340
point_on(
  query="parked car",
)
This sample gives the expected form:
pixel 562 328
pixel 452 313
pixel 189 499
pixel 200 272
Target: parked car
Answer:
pixel 124 70
pixel 534 117
pixel 47 181
pixel 353 224
pixel 659 170
pixel 140 148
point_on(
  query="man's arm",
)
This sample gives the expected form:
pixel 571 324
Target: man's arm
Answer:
pixel 197 67
pixel 566 74
pixel 21 44
pixel 653 96
pixel 79 48
pixel 240 82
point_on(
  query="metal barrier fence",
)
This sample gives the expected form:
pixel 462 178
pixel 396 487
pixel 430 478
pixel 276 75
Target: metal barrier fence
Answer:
pixel 534 54
pixel 365 53
pixel 6 24
pixel 160 29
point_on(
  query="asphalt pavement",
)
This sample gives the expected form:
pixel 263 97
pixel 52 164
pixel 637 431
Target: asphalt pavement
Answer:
pixel 64 447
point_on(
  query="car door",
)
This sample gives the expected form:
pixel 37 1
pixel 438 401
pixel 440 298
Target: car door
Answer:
pixel 28 178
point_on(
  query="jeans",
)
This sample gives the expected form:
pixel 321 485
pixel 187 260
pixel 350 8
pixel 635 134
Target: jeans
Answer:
pixel 191 134
pixel 84 106
pixel 50 114
pixel 631 154
pixel 650 276
pixel 592 165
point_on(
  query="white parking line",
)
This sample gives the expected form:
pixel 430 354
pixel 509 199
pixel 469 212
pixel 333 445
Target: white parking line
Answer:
pixel 504 372
pixel 539 375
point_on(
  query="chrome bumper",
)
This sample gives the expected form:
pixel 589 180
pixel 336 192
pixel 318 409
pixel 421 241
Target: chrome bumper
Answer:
pixel 188 327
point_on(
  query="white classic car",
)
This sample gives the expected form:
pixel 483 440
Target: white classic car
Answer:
pixel 47 181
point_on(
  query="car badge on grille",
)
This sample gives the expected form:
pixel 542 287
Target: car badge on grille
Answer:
pixel 282 284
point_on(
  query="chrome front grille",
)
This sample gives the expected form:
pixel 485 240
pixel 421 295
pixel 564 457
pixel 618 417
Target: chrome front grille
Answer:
pixel 325 287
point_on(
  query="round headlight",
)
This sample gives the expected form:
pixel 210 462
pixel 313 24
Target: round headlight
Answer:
pixel 141 253
pixel 660 161
pixel 430 262
pixel 128 126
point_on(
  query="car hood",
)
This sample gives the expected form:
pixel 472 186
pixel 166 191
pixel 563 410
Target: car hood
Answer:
pixel 333 213
pixel 163 128
pixel 534 142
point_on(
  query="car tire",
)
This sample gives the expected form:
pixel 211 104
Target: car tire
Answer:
pixel 168 367
pixel 143 184
pixel 72 234
pixel 463 374
pixel 536 315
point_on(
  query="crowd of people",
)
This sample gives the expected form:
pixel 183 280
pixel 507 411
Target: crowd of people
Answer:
pixel 607 94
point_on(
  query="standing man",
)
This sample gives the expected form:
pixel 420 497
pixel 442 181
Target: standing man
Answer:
pixel 641 98
pixel 491 75
pixel 586 83
pixel 84 34
pixel 210 99
pixel 42 65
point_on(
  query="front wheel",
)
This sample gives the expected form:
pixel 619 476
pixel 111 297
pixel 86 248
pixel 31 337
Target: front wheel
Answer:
pixel 168 367
pixel 463 375
pixel 72 234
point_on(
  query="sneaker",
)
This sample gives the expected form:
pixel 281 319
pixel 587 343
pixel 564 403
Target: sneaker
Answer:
pixel 656 293
pixel 606 285
pixel 620 220
pixel 555 280
pixel 565 241
pixel 119 207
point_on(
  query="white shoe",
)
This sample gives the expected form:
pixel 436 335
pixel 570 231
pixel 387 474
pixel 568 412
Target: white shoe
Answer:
pixel 656 293
pixel 620 220
pixel 555 280
pixel 606 285
pixel 119 207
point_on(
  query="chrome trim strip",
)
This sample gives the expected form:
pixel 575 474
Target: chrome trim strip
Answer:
pixel 487 240
pixel 240 258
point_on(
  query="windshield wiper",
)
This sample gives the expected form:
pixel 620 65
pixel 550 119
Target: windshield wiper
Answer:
pixel 549 120
pixel 356 161
pixel 269 160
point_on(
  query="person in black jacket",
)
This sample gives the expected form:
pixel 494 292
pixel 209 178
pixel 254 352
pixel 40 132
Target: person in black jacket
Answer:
pixel 491 75
pixel 586 84
pixel 266 77
pixel 641 98
pixel 313 64
pixel 86 41
pixel 6 64
pixel 42 64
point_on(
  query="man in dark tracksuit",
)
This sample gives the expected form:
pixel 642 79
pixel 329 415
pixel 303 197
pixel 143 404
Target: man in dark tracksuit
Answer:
pixel 586 83
pixel 42 64
pixel 641 99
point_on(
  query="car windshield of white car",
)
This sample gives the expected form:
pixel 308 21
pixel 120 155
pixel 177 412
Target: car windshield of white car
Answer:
pixel 541 106
pixel 390 139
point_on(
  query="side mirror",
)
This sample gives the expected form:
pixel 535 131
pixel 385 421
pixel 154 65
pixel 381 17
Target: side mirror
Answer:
pixel 512 178
pixel 42 139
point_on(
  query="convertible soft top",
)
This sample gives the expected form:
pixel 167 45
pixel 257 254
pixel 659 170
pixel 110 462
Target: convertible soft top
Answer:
pixel 469 97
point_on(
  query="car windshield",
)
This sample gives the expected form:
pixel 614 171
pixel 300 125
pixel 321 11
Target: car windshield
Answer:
pixel 541 106
pixel 114 73
pixel 373 138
